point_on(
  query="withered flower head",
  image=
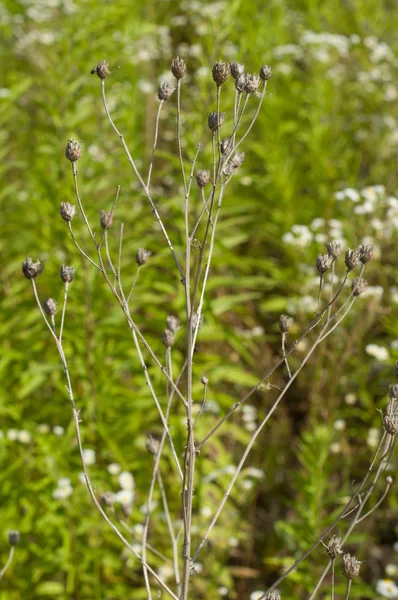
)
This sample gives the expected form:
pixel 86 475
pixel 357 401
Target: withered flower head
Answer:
pixel 67 211
pixel 240 83
pixel 236 69
pixel 285 323
pixel 67 273
pixel 221 72
pixel 215 120
pixel 173 323
pixel 101 69
pixel 73 150
pixel 13 537
pixel 323 263
pixel 334 548
pixel 168 338
pixel 142 256
pixel 265 72
pixel 106 219
pixel 359 286
pixel 178 67
pixel 334 249
pixel 152 445
pixel 165 90
pixel 365 253
pixel 50 307
pixel 351 566
pixel 32 269
pixel 252 83
pixel 202 177
pixel 351 259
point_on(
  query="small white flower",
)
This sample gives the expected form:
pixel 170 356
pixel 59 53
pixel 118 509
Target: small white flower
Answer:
pixel 125 497
pixel 126 481
pixel 24 437
pixel 43 428
pixel 64 482
pixel 58 430
pixel 233 542
pixel 335 448
pixel 114 468
pixel 250 426
pixel 387 588
pixel 373 437
pixel 82 478
pixel 12 434
pixel 206 512
pixel 89 456
pixel 247 484
pixel 255 473
pixel 230 469
pixel 395 547
pixel 223 590
pixel 394 294
pixel 198 567
pixel 392 570
pixel 317 223
pixel 350 399
pixel 394 345
pixel 165 572
pixel 340 425
pixel 378 352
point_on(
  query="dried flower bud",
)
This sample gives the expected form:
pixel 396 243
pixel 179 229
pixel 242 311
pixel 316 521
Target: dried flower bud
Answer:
pixel 359 286
pixel 73 150
pixel 165 90
pixel 215 120
pixel 351 566
pixel 365 253
pixel 152 445
pixel 178 67
pixel 225 146
pixel 142 256
pixel 285 323
pixel 194 321
pixel 272 596
pixel 351 259
pixel 265 72
pixel 323 263
pixel 238 159
pixel 221 72
pixel 390 424
pixel 334 249
pixel 101 69
pixel 32 269
pixel 394 391
pixel 240 83
pixel 236 69
pixel 50 307
pixel 204 380
pixel 252 83
pixel 106 219
pixel 67 211
pixel 334 547
pixel 392 407
pixel 168 338
pixel 67 273
pixel 13 537
pixel 108 498
pixel 202 178
pixel 173 323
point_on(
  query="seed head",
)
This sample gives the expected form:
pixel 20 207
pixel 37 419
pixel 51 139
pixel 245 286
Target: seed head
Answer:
pixel 225 146
pixel 323 263
pixel 178 67
pixel 194 321
pixel 13 537
pixel 173 323
pixel 359 286
pixel 101 69
pixel 215 120
pixel 392 407
pixel 237 159
pixel 265 72
pixel 334 249
pixel 108 498
pixel 240 83
pixel 252 83
pixel 168 338
pixel 106 219
pixel 221 72
pixel 236 69
pixel 204 380
pixel 390 424
pixel 152 445
pixel 50 307
pixel 272 596
pixel 67 211
pixel 351 259
pixel 351 566
pixel 73 150
pixel 165 90
pixel 202 178
pixel 365 253
pixel 394 391
pixel 334 547
pixel 31 269
pixel 285 323
pixel 67 274
pixel 142 256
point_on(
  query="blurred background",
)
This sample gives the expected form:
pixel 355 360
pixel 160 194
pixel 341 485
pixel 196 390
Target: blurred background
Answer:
pixel 320 164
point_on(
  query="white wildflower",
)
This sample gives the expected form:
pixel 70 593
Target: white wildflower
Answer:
pixel 387 588
pixel 24 436
pixel 340 425
pixel 379 352
pixel 350 399
pixel 58 430
pixel 373 437
pixel 126 481
pixel 114 468
pixel 125 497
pixel 12 434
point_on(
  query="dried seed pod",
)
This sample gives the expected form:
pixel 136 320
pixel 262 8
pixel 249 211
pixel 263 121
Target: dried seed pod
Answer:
pixel 252 83
pixel 285 323
pixel 50 307
pixel 221 71
pixel 32 269
pixel 14 537
pixel 168 338
pixel 67 211
pixel 178 67
pixel 351 566
pixel 225 146
pixel 236 69
pixel 334 548
pixel 215 120
pixel 106 219
pixel 152 445
pixel 173 323
pixel 265 72
pixel 101 70
pixel 390 424
pixel 240 83
pixel 359 286
pixel 237 159
pixel 323 263
pixel 351 259
pixel 142 256
pixel 73 150
pixel 165 90
pixel 334 249
pixel 202 178
pixel 67 274
pixel 204 380
pixel 365 253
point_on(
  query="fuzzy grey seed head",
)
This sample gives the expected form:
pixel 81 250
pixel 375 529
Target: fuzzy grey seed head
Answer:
pixel 178 67
pixel 101 70
pixel 285 323
pixel 359 286
pixel 50 307
pixel 365 253
pixel 226 146
pixel 237 159
pixel 32 269
pixel 168 338
pixel 215 120
pixel 394 391
pixel 67 273
pixel 265 72
pixel 73 150
pixel 351 566
pixel 236 69
pixel 202 177
pixel 173 323
pixel 67 211
pixel 221 71
pixel 108 499
pixel 334 249
pixel 142 256
pixel 14 537
pixel 252 83
pixel 152 445
pixel 334 548
pixel 194 321
pixel 351 259
pixel 204 380
pixel 323 263
pixel 165 90
pixel 240 83
pixel 106 219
